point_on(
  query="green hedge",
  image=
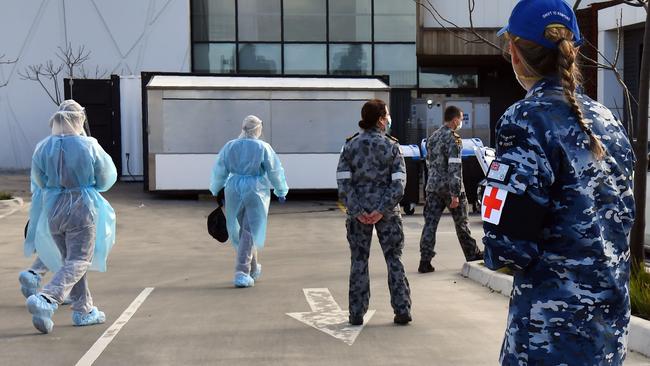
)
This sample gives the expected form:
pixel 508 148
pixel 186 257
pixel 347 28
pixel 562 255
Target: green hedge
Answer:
pixel 640 293
pixel 5 195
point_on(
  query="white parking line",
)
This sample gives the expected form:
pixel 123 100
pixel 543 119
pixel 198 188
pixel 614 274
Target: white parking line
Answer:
pixel 93 353
pixel 18 205
pixel 2 216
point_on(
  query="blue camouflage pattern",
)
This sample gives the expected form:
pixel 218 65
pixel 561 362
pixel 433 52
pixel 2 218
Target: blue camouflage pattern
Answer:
pixel 371 176
pixel 570 298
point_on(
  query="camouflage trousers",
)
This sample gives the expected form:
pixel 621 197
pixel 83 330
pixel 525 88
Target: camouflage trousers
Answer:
pixel 391 239
pixel 433 208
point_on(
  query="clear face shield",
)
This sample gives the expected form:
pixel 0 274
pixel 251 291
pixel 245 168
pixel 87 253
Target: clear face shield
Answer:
pixel 68 123
pixel 70 119
pixel 251 128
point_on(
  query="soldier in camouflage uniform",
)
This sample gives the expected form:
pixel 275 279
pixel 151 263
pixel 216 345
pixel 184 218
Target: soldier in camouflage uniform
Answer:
pixel 445 189
pixel 559 205
pixel 371 177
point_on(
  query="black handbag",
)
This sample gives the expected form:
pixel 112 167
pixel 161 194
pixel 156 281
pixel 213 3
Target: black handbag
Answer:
pixel 217 225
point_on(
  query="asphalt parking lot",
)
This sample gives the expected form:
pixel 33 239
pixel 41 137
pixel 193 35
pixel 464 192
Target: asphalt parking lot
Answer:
pixel 189 313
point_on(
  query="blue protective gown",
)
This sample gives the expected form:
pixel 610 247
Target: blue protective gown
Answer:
pixel 570 302
pixel 248 168
pixel 66 169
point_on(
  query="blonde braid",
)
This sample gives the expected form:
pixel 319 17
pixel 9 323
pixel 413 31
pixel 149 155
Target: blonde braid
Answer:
pixel 569 75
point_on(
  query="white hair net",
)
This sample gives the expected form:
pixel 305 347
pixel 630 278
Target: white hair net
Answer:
pixel 69 119
pixel 251 127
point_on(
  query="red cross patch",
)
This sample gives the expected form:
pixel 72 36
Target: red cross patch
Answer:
pixel 492 204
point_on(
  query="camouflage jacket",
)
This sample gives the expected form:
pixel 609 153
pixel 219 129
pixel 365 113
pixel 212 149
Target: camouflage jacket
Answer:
pixel 444 162
pixel 371 173
pixel 561 220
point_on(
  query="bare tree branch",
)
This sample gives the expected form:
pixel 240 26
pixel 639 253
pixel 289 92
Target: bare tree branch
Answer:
pixel 471 5
pixel 40 72
pixel 616 107
pixel 52 72
pixel 576 5
pixel 637 235
pixel 99 73
pixel 440 19
pixel 72 58
pixel 613 67
pixel 6 62
pixel 433 13
pixel 637 3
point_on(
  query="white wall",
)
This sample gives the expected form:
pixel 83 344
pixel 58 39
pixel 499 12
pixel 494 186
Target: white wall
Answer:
pixel 487 13
pixel 610 92
pixel 131 122
pixel 124 37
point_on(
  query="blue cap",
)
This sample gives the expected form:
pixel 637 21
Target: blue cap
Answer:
pixel 530 18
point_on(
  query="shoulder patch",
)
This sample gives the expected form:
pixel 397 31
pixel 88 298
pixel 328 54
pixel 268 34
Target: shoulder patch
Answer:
pixel 510 136
pixel 351 137
pixel 391 137
pixel 499 172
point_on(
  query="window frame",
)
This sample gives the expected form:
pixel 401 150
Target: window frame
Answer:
pixel 282 42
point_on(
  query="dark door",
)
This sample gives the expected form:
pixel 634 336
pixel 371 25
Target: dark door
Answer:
pixel 101 98
pixel 400 111
pixel 632 43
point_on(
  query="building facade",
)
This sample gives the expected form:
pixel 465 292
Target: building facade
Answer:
pixel 628 22
pixel 123 37
pixel 421 47
pixel 454 67
pixel 235 37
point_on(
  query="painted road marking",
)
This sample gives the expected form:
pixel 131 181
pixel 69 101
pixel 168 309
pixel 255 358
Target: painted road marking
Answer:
pixel 17 204
pixel 326 315
pixel 93 353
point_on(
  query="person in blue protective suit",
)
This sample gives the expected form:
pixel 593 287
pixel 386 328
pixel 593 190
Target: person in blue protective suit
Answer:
pixel 248 167
pixel 72 227
pixel 31 278
pixel 559 205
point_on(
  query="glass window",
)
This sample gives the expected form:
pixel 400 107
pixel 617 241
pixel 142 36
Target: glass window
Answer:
pixel 213 20
pixel 260 58
pixel 350 59
pixel 259 20
pixel 452 78
pixel 214 57
pixel 395 20
pixel 305 59
pixel 304 20
pixel 398 61
pixel 350 20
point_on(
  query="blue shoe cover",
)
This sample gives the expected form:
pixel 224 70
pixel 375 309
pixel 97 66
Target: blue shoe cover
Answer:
pixel 243 280
pixel 42 312
pixel 93 317
pixel 29 283
pixel 257 272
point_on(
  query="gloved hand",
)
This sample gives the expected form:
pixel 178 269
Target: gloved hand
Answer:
pixel 282 199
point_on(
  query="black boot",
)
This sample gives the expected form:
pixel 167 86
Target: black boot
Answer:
pixel 425 267
pixel 477 257
pixel 402 319
pixel 356 319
